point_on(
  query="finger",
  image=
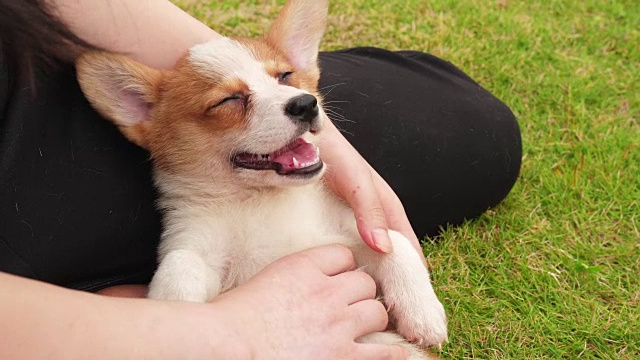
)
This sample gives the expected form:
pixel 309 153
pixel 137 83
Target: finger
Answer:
pixel 358 189
pixel 355 286
pixel 380 352
pixel 393 208
pixel 368 316
pixel 396 215
pixel 330 259
pixel 349 177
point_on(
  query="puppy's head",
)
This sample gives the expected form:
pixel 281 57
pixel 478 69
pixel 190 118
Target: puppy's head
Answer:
pixel 245 111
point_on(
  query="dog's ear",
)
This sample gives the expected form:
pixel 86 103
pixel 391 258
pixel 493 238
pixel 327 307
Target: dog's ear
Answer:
pixel 120 89
pixel 297 32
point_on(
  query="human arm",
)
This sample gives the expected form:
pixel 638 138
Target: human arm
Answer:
pixel 308 305
pixel 41 321
pixel 154 32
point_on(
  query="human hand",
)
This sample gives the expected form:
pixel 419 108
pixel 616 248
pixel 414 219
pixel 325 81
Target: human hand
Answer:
pixel 309 305
pixel 376 207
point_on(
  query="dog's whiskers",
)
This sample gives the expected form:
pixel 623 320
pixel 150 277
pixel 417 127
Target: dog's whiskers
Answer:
pixel 335 115
pixel 342 130
pixel 336 102
pixel 338 117
pixel 331 88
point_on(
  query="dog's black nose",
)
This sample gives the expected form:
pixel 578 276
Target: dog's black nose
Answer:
pixel 303 108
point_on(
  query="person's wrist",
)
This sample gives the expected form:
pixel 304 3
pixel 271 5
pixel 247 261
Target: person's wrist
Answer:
pixel 166 330
pixel 206 331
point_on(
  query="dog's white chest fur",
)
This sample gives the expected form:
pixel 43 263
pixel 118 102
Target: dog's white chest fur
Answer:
pixel 242 237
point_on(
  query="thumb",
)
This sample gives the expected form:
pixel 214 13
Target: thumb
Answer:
pixel 351 178
pixel 370 216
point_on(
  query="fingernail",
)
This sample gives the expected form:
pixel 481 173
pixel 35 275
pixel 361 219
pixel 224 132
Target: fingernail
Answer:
pixel 381 240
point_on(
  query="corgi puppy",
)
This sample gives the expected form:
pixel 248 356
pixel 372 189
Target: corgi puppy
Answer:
pixel 232 132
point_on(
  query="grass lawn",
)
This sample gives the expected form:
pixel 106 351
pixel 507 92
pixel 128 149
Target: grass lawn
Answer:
pixel 552 273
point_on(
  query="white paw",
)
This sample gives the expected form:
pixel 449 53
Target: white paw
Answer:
pixel 421 320
pixel 184 276
pixel 177 291
pixel 418 314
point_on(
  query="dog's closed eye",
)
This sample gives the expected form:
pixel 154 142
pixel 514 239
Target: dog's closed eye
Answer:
pixel 228 100
pixel 284 77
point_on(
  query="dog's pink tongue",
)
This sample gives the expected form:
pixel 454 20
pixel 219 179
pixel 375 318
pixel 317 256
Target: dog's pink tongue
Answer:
pixel 305 155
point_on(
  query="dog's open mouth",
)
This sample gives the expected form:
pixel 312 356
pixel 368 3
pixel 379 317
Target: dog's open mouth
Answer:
pixel 297 158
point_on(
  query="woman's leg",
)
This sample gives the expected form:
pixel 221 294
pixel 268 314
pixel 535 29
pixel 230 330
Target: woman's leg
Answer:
pixel 447 147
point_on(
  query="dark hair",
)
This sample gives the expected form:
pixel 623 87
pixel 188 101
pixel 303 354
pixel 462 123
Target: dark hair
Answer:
pixel 33 37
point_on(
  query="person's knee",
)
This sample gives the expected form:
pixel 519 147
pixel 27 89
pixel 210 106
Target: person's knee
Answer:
pixel 507 157
pixel 475 167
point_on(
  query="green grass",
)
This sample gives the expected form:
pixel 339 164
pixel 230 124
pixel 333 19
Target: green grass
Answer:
pixel 552 273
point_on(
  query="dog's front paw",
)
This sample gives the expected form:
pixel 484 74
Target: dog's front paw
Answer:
pixel 184 276
pixel 423 322
pixel 176 291
pixel 406 288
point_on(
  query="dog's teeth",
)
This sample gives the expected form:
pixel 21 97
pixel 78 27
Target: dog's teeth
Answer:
pixel 318 152
pixel 295 162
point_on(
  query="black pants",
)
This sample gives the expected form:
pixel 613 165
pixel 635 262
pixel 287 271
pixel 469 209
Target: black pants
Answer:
pixel 77 204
